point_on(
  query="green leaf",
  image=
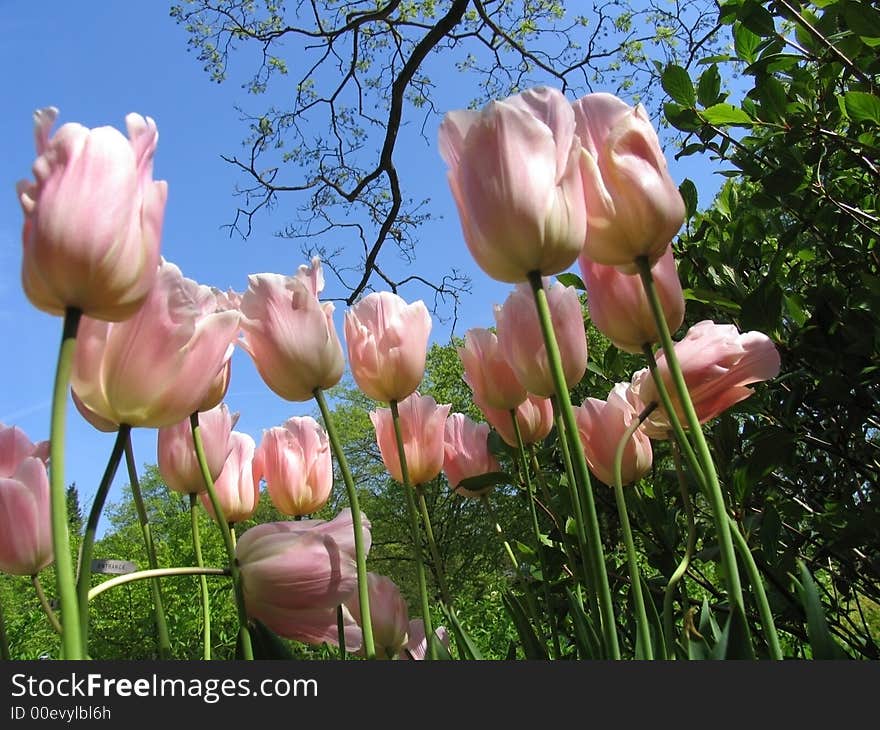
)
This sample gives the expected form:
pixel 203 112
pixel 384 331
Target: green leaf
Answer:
pixel 762 308
pixel 709 86
pixel 463 641
pixel 862 107
pixel 678 85
pixel 757 19
pixel 532 646
pixel 773 98
pixel 586 639
pixel 689 194
pixel 570 279
pixel 483 482
pixel 745 43
pixel 734 642
pixel 862 19
pixel 682 118
pixel 823 645
pixel 726 114
pixel 710 296
pixel 266 644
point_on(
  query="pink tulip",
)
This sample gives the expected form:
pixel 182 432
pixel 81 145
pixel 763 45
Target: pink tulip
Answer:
pixel 515 171
pixel 158 367
pixel 521 341
pixel 534 416
pixel 295 461
pixel 295 574
pixel 387 342
pixel 93 218
pixel 25 522
pixel 236 489
pixel 602 425
pixel 289 334
pixel 466 453
pixel 417 645
pixel 178 464
pixel 618 305
pixel 422 424
pixel 717 363
pixel 388 613
pixel 633 206
pixel 487 371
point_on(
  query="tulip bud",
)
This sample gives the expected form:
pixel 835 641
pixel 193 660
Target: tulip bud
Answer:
pixel 602 425
pixel 422 426
pixel 619 307
pixel 633 207
pixel 93 218
pixel 717 363
pixel 25 520
pixel 522 342
pixel 487 371
pixel 387 342
pixel 466 453
pixel 295 461
pixel 515 174
pixel 178 463
pixel 235 487
pixel 289 334
pixel 534 417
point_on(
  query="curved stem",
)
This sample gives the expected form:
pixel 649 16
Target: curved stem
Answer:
pixel 432 547
pixel 681 568
pixel 360 553
pixel 84 580
pixel 71 637
pixel 244 635
pixel 758 587
pixel 582 474
pixel 203 581
pixel 713 488
pixel 642 626
pixel 155 585
pixel 44 604
pixel 415 534
pixel 151 573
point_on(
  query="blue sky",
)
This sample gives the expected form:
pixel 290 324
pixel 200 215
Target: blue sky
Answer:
pixel 97 60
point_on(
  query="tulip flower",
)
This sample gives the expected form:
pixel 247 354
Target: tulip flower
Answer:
pixel 602 425
pixel 387 342
pixel 633 207
pixel 534 416
pixel 295 574
pixel 619 307
pixel 417 644
pixel 487 371
pixel 158 367
pixel 290 335
pixel 515 171
pixel 521 340
pixel 388 612
pixel 717 363
pixel 25 522
pixel 236 489
pixel 178 464
pixel 295 461
pixel 422 425
pixel 93 218
pixel 466 453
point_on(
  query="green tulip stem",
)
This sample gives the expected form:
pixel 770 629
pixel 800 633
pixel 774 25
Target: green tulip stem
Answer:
pixel 203 581
pixel 151 574
pixel 86 550
pixel 545 490
pixel 681 568
pixel 155 584
pixel 758 587
pixel 500 532
pixel 582 474
pixel 244 636
pixel 232 535
pixel 360 553
pixel 413 514
pixel 44 604
pixel 340 633
pixel 4 640
pixel 713 487
pixel 71 637
pixel 578 513
pixel 432 547
pixel 642 626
